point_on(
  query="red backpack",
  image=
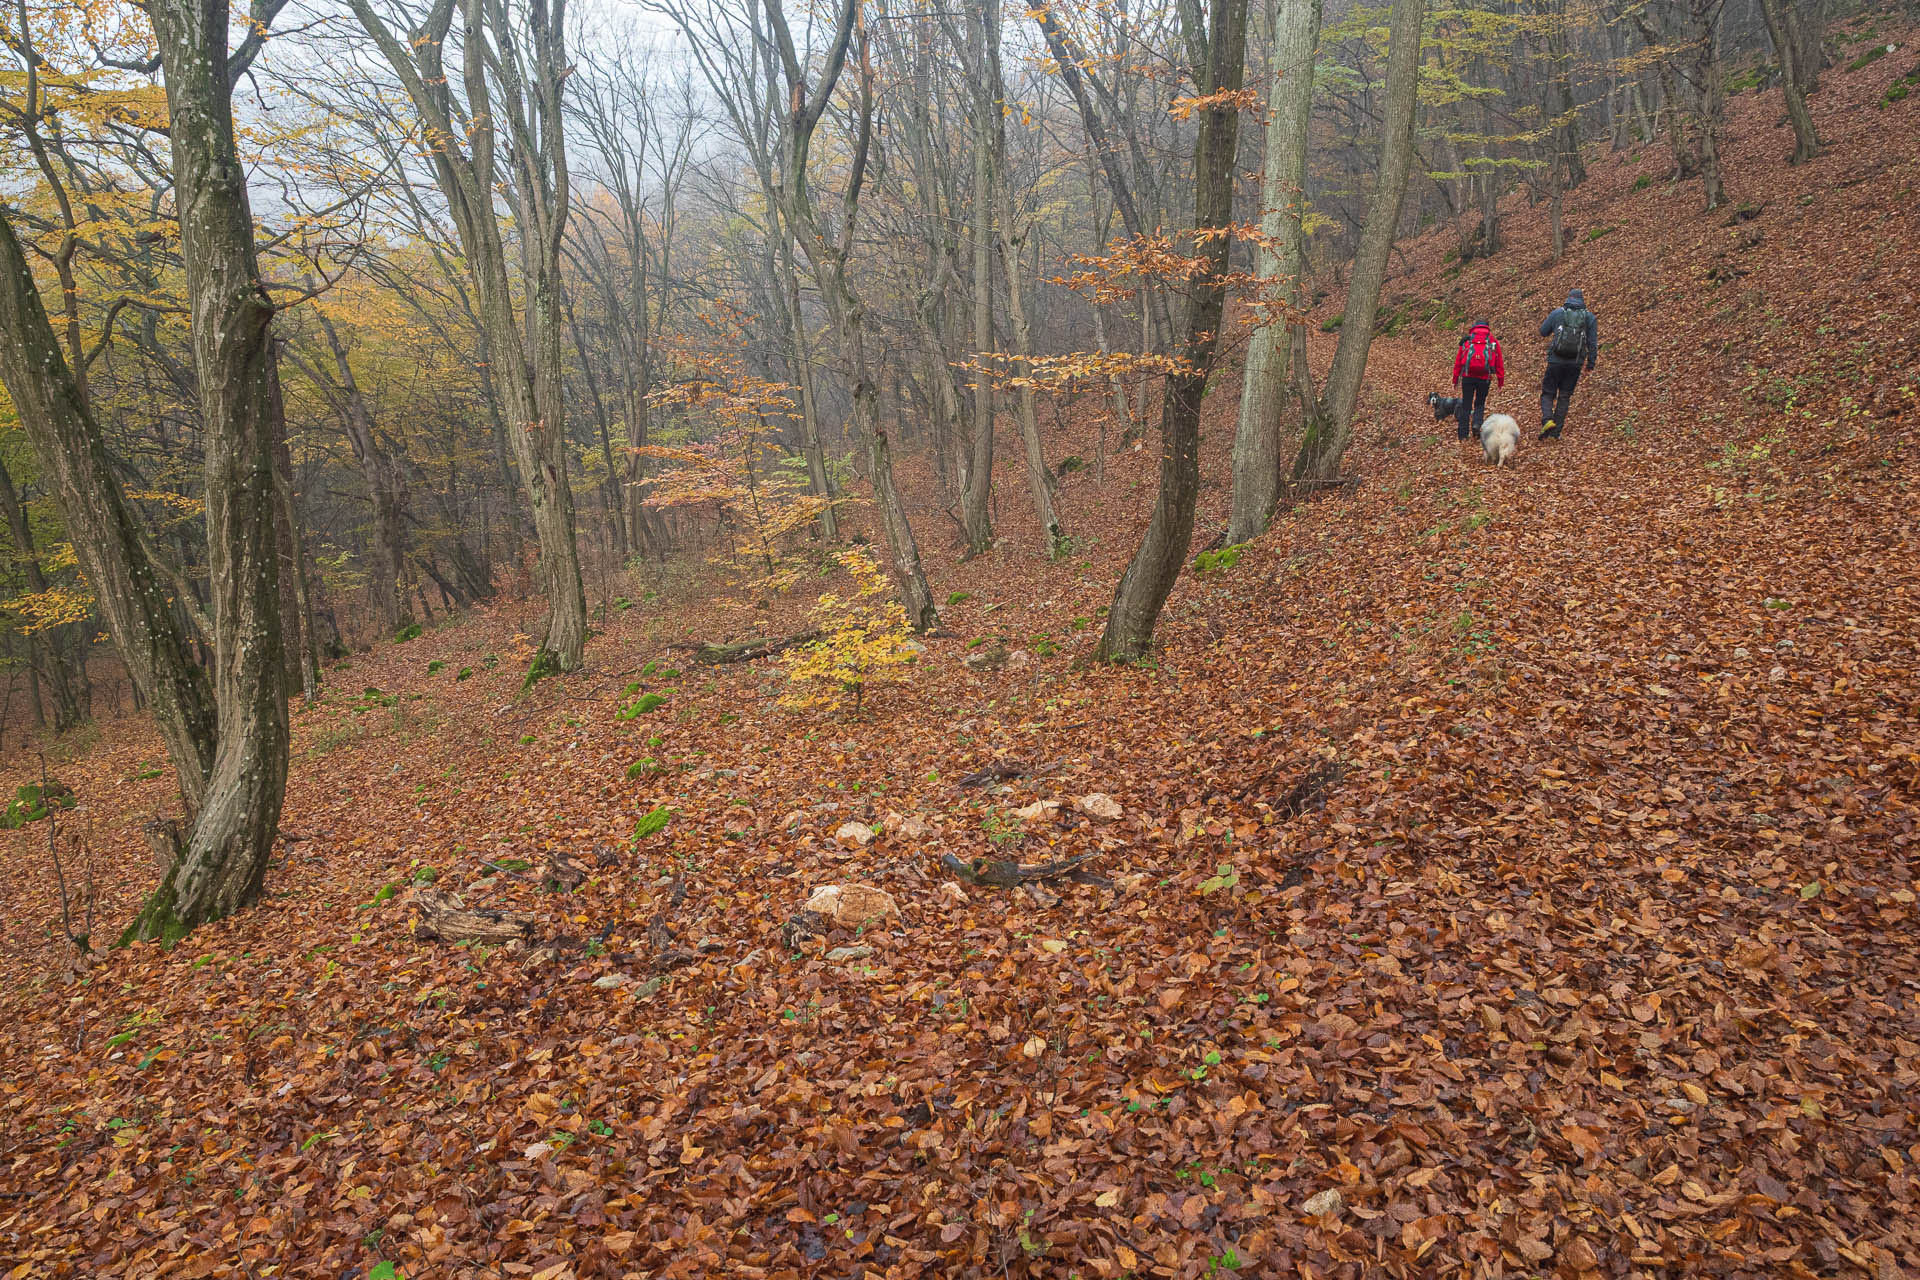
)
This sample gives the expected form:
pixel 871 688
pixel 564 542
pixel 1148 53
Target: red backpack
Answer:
pixel 1480 349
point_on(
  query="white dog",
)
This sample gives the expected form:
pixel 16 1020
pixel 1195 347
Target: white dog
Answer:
pixel 1499 437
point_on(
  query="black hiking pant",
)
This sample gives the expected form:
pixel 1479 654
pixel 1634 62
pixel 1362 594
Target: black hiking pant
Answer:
pixel 1556 392
pixel 1473 404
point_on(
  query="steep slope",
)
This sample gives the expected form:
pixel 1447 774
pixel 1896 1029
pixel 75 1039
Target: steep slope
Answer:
pixel 1595 957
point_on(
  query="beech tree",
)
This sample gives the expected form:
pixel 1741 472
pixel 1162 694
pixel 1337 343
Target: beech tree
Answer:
pixel 1329 421
pixel 513 70
pixel 225 859
pixel 829 261
pixel 133 595
pixel 1797 27
pixel 1216 48
pixel 1279 267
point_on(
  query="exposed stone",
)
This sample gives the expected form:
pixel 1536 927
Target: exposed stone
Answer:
pixel 1099 805
pixel 1328 1202
pixel 854 834
pixel 852 906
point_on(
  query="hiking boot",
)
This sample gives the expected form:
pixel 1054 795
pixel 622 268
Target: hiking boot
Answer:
pixel 1552 431
pixel 1461 432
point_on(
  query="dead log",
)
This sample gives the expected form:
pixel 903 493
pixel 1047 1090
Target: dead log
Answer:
pixel 998 771
pixel 446 918
pixel 715 655
pixel 1011 875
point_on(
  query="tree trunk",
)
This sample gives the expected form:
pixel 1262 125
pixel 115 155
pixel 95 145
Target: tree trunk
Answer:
pixel 1011 233
pixel 1787 43
pixel 531 68
pixel 1279 263
pixel 609 491
pixel 1711 87
pixel 1323 445
pixel 1150 575
pixel 106 533
pixel 294 673
pixel 225 861
pixel 809 406
pixel 386 488
pixel 977 486
pixel 829 263
pixel 309 648
pixel 46 663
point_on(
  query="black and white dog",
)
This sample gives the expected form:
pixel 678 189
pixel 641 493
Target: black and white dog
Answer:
pixel 1443 406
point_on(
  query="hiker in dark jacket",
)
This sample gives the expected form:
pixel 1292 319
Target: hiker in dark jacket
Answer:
pixel 1573 340
pixel 1476 366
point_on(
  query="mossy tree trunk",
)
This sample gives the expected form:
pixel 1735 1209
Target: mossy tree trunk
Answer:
pixel 225 860
pixel 132 591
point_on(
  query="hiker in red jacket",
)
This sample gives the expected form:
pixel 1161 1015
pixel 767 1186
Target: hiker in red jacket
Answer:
pixel 1476 366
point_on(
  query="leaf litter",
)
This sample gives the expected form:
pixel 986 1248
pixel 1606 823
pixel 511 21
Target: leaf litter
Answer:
pixel 1512 873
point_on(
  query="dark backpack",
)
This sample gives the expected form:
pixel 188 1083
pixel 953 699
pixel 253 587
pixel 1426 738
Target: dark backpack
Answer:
pixel 1570 335
pixel 1479 355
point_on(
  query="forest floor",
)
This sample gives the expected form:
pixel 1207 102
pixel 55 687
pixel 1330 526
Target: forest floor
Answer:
pixel 1594 954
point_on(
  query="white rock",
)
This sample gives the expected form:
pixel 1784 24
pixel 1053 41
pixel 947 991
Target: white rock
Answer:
pixel 951 892
pixel 1327 1202
pixel 854 833
pixel 609 981
pixel 839 954
pixel 1037 810
pixel 851 906
pixel 1099 805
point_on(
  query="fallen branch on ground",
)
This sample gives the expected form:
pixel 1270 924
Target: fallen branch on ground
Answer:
pixel 1011 875
pixel 999 771
pixel 715 655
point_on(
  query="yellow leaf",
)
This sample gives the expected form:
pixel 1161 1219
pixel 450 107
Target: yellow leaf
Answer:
pixel 1107 1199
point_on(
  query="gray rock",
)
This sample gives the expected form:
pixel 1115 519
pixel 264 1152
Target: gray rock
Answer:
pixel 1327 1202
pixel 839 954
